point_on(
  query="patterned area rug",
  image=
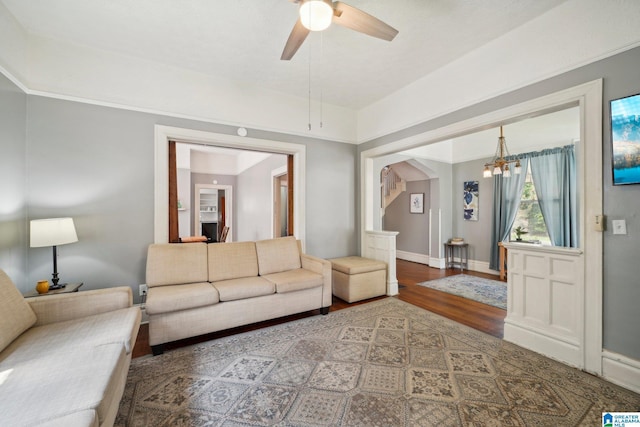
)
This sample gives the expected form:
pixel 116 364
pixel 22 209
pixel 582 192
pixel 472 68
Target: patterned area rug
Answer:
pixel 384 363
pixel 486 291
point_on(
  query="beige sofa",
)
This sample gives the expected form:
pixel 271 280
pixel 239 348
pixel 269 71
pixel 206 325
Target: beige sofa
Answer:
pixel 198 288
pixel 64 358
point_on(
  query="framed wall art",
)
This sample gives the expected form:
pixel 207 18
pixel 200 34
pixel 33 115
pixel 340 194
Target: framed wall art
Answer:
pixel 470 200
pixel 417 203
pixel 625 140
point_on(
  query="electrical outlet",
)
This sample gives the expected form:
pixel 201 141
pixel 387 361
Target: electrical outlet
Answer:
pixel 142 289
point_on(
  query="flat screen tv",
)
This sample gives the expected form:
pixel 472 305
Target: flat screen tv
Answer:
pixel 625 139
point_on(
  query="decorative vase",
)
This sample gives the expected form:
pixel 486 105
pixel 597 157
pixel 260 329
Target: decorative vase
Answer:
pixel 42 286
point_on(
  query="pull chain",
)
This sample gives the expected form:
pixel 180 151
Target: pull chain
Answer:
pixel 309 93
pixel 320 78
pixel 321 75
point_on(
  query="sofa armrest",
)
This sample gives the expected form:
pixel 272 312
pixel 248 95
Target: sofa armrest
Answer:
pixel 58 308
pixel 320 266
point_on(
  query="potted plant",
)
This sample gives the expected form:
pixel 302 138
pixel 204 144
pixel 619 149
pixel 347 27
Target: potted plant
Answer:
pixel 519 232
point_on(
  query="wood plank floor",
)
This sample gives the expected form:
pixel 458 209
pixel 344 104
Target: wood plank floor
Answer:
pixel 471 313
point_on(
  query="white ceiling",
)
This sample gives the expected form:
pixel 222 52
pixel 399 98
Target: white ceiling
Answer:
pixel 532 134
pixel 241 40
pixel 199 158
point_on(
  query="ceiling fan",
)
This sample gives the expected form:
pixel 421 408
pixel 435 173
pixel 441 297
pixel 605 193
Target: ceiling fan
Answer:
pixel 317 15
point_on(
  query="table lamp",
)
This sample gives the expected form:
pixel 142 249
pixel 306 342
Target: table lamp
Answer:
pixel 53 232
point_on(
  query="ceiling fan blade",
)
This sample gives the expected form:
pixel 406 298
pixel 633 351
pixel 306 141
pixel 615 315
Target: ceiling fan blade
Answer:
pixel 355 19
pixel 296 38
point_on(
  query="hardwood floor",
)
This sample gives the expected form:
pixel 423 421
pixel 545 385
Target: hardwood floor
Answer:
pixel 479 316
pixel 471 313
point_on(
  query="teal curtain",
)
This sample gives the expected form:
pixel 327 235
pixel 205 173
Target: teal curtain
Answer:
pixel 554 176
pixel 506 201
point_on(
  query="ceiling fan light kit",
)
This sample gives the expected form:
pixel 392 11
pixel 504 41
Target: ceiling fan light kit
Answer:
pixel 500 165
pixel 316 15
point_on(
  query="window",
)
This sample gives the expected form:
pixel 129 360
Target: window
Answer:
pixel 529 215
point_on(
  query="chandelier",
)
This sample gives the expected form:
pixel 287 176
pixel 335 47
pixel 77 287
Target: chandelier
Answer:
pixel 499 165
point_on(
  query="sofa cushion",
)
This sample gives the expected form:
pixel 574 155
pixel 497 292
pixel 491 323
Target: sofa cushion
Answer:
pixel 17 316
pixel 176 263
pixel 44 388
pixel 295 280
pixel 118 327
pixel 232 260
pixel 278 255
pixel 165 299
pixel 246 287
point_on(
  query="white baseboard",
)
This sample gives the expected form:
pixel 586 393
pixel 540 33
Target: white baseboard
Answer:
pixel 437 263
pixel 413 257
pixel 621 370
pixel 479 266
pixel 421 259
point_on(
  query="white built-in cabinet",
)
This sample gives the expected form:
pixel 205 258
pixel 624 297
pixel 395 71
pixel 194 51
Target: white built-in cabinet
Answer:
pixel 546 300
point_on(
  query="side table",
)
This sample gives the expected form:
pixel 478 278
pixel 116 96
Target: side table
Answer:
pixel 71 287
pixel 450 250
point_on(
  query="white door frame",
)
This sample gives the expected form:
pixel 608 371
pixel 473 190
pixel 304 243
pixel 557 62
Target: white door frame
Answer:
pixel 588 97
pixel 161 182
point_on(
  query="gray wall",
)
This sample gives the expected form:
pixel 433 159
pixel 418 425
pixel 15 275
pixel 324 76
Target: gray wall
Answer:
pixel 96 165
pixel 442 198
pixel 440 193
pixel 13 221
pixel 255 208
pixel 621 269
pixel 413 229
pixel 476 233
pixel 331 198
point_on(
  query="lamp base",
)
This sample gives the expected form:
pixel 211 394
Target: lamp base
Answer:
pixel 55 286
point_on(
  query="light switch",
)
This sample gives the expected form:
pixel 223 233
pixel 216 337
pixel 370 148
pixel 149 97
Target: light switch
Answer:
pixel 619 226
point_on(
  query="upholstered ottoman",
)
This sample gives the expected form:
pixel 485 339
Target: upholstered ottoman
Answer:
pixel 356 278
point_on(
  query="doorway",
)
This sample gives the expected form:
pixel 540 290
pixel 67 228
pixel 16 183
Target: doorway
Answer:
pixel 213 210
pixel 296 153
pixel 588 97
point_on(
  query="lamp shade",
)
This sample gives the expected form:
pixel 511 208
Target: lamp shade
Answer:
pixel 52 232
pixel 316 15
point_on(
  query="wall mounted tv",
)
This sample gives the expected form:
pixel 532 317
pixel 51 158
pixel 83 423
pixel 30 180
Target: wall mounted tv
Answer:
pixel 625 139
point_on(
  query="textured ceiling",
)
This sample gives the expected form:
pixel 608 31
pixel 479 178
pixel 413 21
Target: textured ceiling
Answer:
pixel 240 41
